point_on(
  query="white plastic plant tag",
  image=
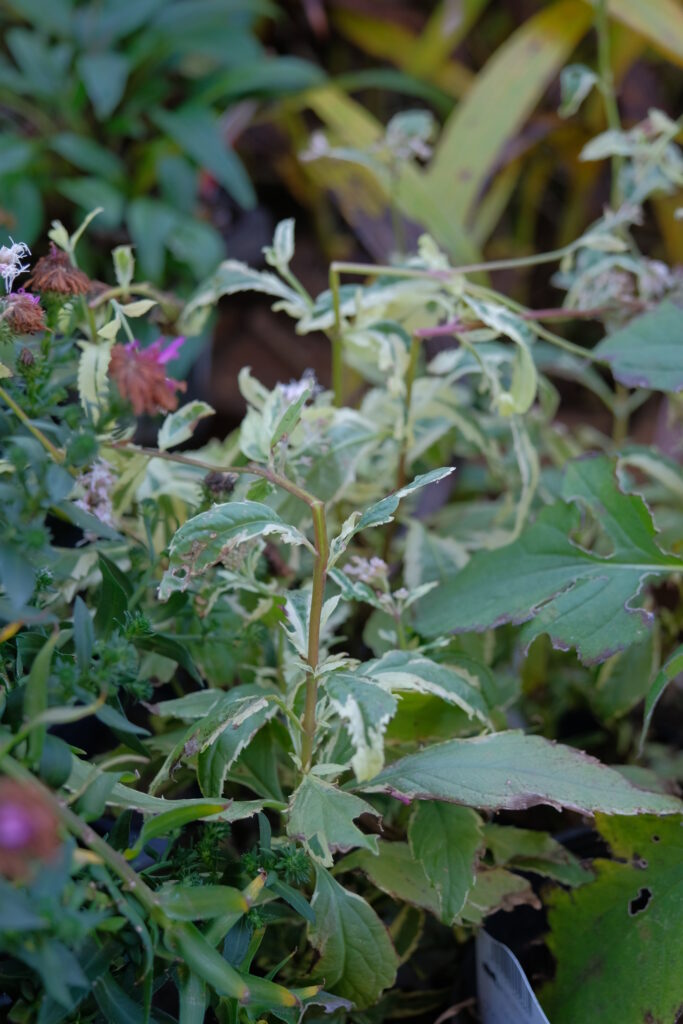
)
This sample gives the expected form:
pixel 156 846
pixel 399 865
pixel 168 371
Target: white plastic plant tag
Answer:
pixel 505 995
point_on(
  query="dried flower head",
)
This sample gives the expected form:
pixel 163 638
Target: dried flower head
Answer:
pixel 26 357
pixel 220 483
pixel 97 486
pixel 10 262
pixel 56 273
pixel 29 829
pixel 24 314
pixel 140 375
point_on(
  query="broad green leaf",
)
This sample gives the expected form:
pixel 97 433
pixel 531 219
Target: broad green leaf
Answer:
pixel 366 708
pixel 648 352
pixel 496 889
pixel 446 840
pixel 104 76
pixel 322 817
pixel 115 593
pixel 179 426
pixel 511 771
pixel 623 680
pixel 357 959
pixel 150 223
pixel 198 134
pixel 398 873
pixel 503 95
pixel 209 538
pixel 87 155
pixel 409 672
pixel 669 671
pixel 621 934
pixel 525 850
pixel 381 512
pixel 580 599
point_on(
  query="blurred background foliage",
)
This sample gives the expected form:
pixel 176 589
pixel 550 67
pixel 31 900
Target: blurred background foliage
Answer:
pixel 197 124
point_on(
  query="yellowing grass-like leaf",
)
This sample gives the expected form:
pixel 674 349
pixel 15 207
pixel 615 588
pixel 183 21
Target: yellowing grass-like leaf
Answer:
pixel 503 96
pixel 660 21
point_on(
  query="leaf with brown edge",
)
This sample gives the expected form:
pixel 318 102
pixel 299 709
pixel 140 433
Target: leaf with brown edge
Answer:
pixel 511 771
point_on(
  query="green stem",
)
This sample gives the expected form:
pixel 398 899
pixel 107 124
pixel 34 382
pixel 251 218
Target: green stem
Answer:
pixel 317 597
pixel 56 454
pixel 401 475
pixel 608 93
pixel 336 338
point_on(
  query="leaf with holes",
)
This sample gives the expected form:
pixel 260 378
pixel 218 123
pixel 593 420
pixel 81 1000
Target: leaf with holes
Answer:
pixel 621 934
pixel 209 538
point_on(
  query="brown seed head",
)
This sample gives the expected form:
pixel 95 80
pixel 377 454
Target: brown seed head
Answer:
pixel 56 273
pixel 24 314
pixel 141 380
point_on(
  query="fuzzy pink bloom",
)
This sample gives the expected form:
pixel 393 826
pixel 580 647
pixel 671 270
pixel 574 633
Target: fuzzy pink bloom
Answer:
pixel 140 375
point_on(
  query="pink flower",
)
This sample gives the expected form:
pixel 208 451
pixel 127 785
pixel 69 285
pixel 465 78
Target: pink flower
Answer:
pixel 140 375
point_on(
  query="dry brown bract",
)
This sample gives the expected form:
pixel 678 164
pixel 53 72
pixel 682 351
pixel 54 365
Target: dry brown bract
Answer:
pixel 29 830
pixel 56 273
pixel 24 314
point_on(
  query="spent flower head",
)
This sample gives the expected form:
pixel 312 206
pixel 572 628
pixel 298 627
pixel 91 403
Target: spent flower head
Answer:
pixel 23 313
pixel 11 264
pixel 373 571
pixel 56 273
pixel 29 830
pixel 140 375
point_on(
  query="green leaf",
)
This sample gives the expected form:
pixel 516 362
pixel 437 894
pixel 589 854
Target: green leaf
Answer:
pixel 446 840
pixel 197 133
pixel 201 902
pixel 576 83
pixel 496 889
pixel 381 512
pixel 396 872
pixel 668 672
pixel 357 959
pixel 322 816
pixel 169 821
pixel 116 1005
pixel 207 539
pixel 623 680
pixel 150 223
pixel 526 850
pixel 580 599
pixel 36 697
pixel 84 634
pixel 409 672
pixel 230 278
pixel 229 732
pixel 280 253
pixel 180 425
pixel 621 934
pixel 113 601
pixel 91 192
pixel 366 708
pixel 659 21
pixel 502 97
pixel 511 771
pixel 93 379
pixel 104 76
pixel 167 647
pixel 648 352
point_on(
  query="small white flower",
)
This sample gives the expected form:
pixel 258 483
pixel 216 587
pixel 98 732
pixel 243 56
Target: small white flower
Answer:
pixel 293 391
pixel 10 262
pixel 97 484
pixel 373 570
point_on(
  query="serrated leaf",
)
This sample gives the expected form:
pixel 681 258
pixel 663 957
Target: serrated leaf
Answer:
pixel 603 932
pixel 179 426
pixel 648 352
pixel 446 840
pixel 580 599
pixel 396 872
pixel 510 771
pixel 367 709
pixel 357 959
pixel 322 817
pixel 207 539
